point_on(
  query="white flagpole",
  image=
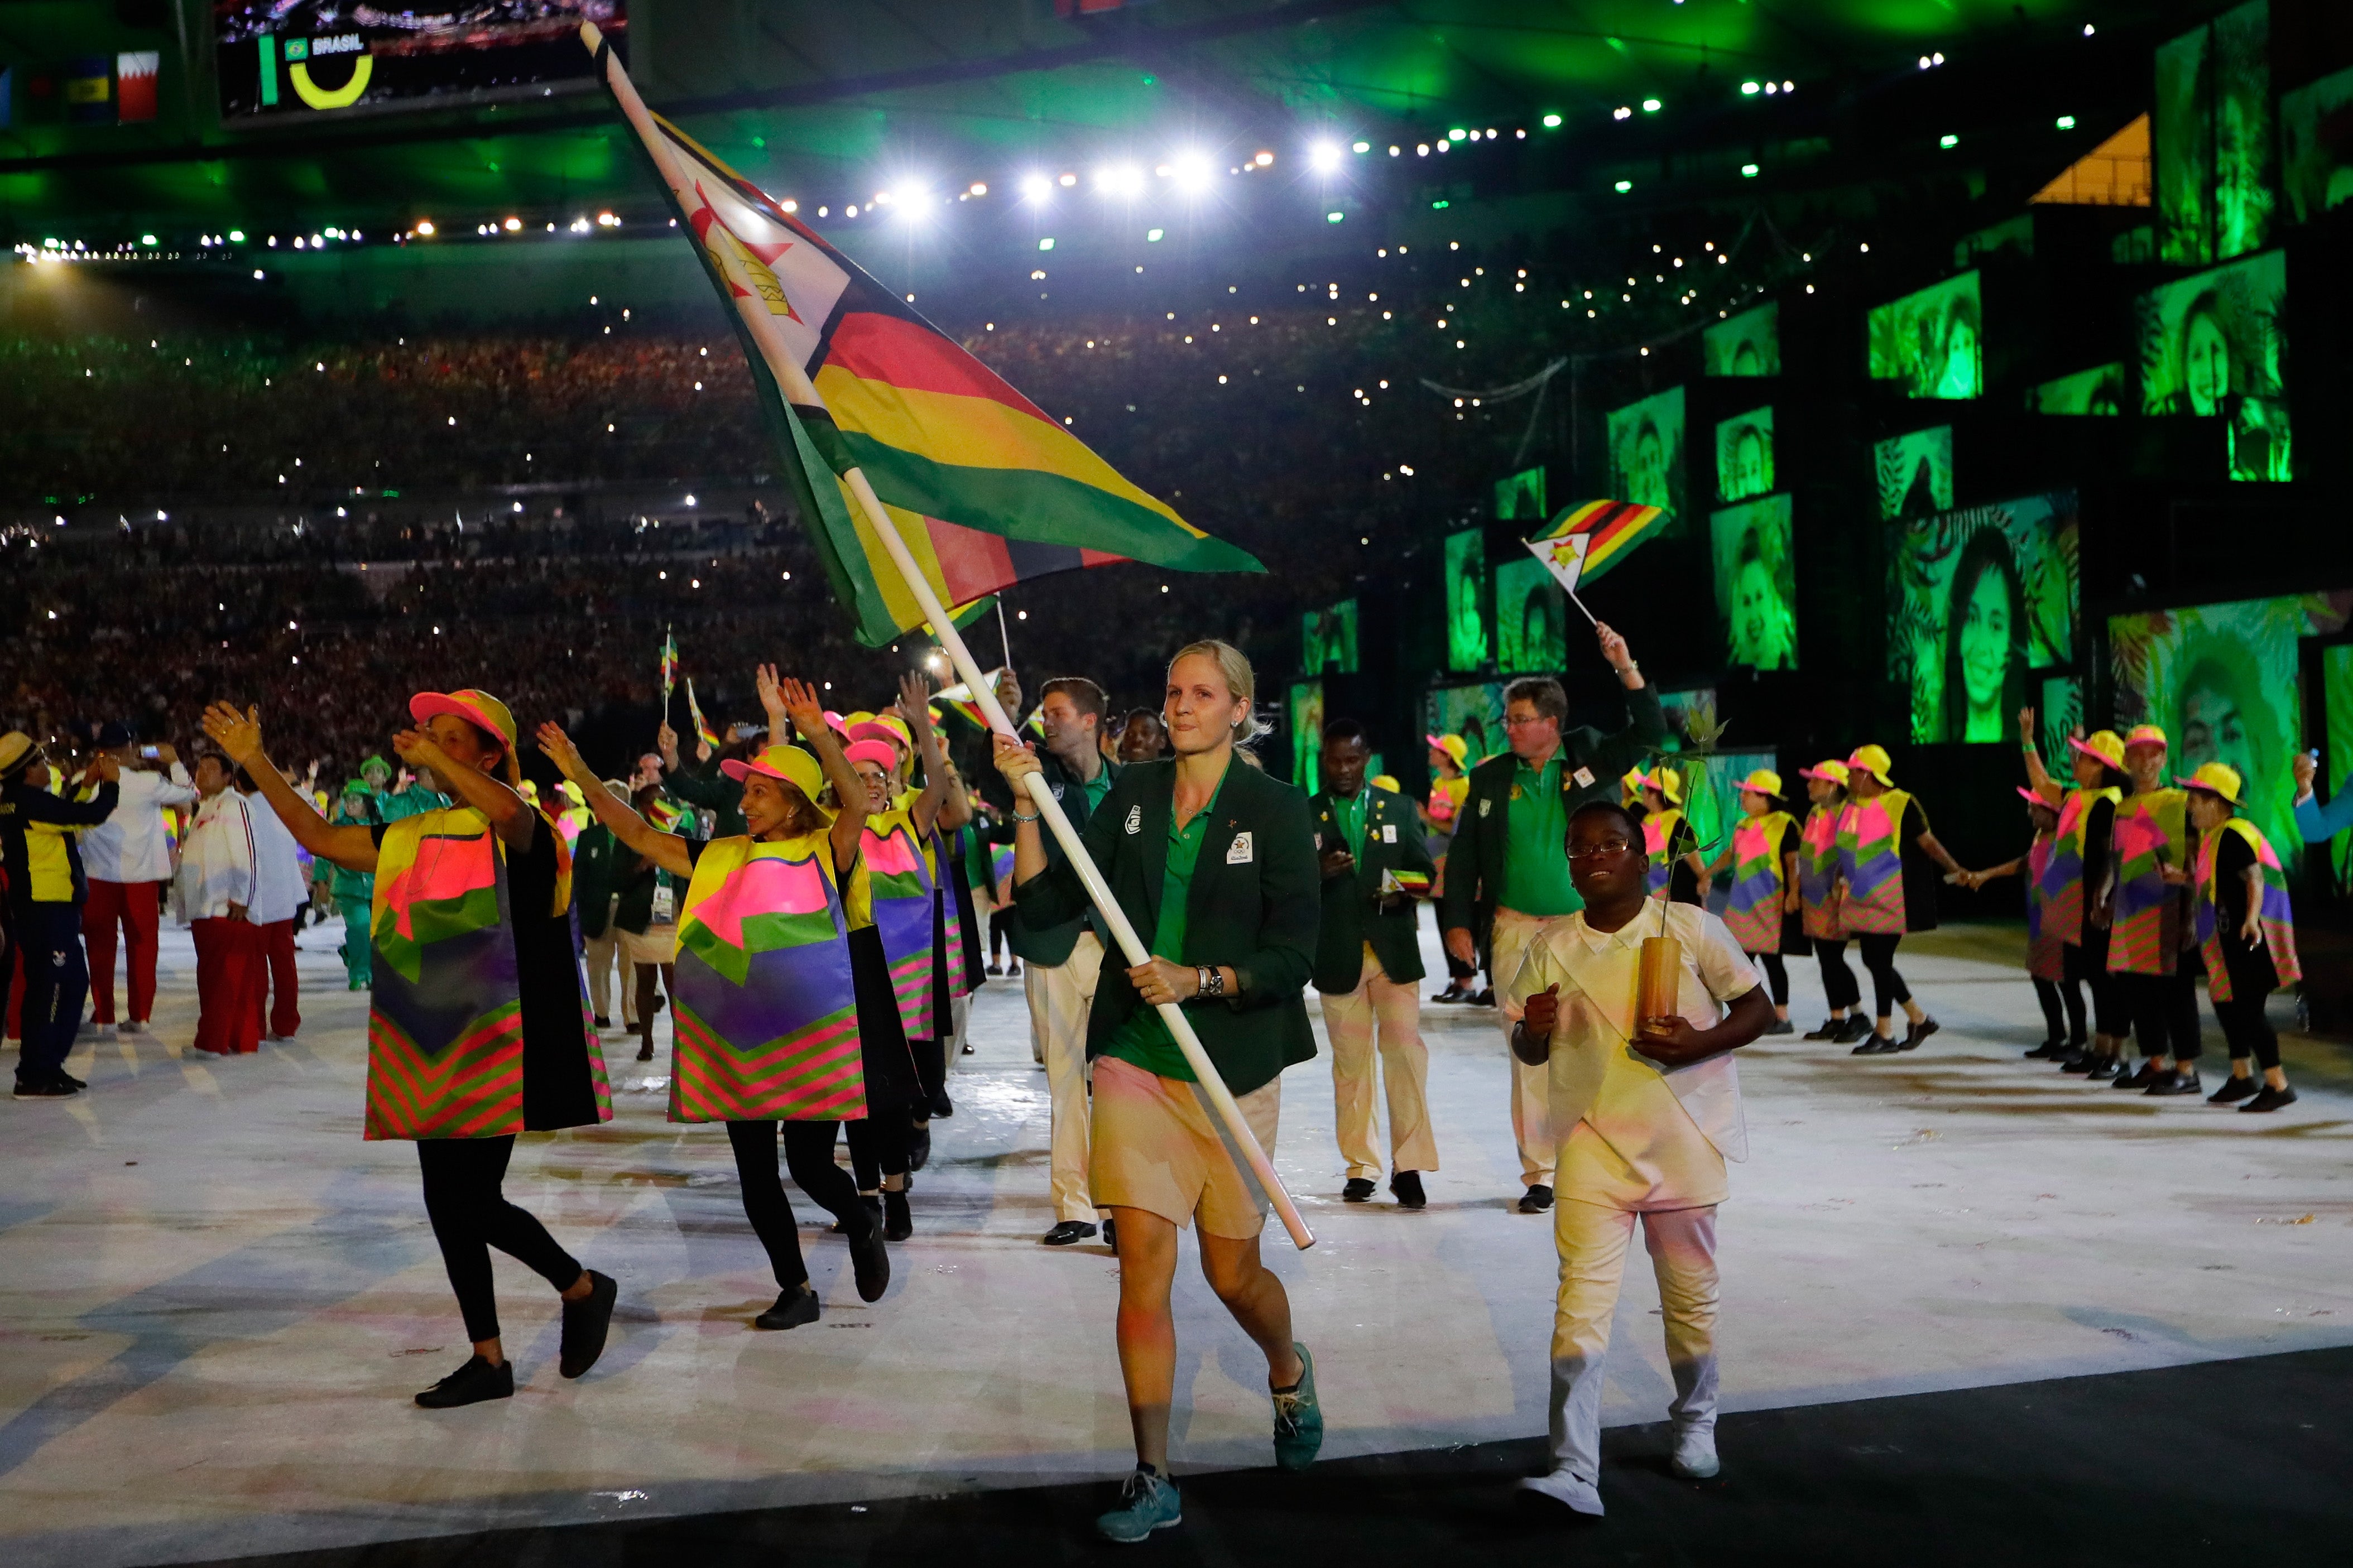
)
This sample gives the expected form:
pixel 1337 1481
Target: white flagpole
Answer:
pixel 1003 636
pixel 780 358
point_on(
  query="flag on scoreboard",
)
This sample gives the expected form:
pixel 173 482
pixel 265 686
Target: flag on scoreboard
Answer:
pixel 1611 529
pixel 985 488
pixel 135 84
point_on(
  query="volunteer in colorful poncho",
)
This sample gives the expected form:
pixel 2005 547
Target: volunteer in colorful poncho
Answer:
pixel 1817 902
pixel 892 913
pixel 2149 929
pixel 1675 870
pixel 765 1032
pixel 2075 879
pixel 1762 909
pixel 1885 888
pixel 2062 999
pixel 475 1027
pixel 2247 930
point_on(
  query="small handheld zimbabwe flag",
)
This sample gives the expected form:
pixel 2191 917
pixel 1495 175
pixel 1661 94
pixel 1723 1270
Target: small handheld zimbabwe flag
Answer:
pixel 668 666
pixel 703 730
pixel 1611 530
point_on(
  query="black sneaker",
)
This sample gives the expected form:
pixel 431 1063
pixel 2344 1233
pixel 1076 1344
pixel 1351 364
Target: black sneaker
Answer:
pixel 470 1384
pixel 2270 1100
pixel 1831 1030
pixel 1406 1188
pixel 1012 970
pixel 919 1148
pixel 869 1261
pixel 2048 1051
pixel 1485 998
pixel 2103 1068
pixel 584 1323
pixel 898 1225
pixel 45 1089
pixel 1917 1033
pixel 2140 1077
pixel 1360 1190
pixel 645 1053
pixel 2078 1058
pixel 942 1106
pixel 1111 1235
pixel 1877 1044
pixel 1536 1199
pixel 602 1022
pixel 1857 1027
pixel 793 1307
pixel 997 969
pixel 2235 1089
pixel 1066 1231
pixel 2171 1083
pixel 1780 1026
pixel 70 1080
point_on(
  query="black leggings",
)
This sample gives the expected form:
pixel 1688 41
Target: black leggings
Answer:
pixel 1837 980
pixel 809 1150
pixel 2054 996
pixel 2245 1028
pixel 2089 964
pixel 1777 976
pixel 2164 1009
pixel 470 1215
pixel 1887 987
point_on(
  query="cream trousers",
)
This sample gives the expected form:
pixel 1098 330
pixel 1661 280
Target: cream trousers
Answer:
pixel 1531 1086
pixel 1592 1240
pixel 1060 995
pixel 1351 1018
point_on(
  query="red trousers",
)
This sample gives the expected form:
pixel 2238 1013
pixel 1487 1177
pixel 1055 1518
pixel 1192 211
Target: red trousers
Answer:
pixel 136 905
pixel 230 979
pixel 274 944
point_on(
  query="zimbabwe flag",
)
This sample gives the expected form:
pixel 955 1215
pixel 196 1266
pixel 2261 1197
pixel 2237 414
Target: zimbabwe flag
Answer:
pixel 1611 527
pixel 986 488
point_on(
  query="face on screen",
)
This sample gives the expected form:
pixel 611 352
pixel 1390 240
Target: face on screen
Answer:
pixel 1649 478
pixel 2205 360
pixel 1748 462
pixel 1756 618
pixel 2213 730
pixel 1985 648
pixel 1960 369
pixel 1746 360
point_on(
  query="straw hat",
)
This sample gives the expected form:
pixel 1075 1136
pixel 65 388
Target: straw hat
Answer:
pixel 1830 771
pixel 1763 781
pixel 1387 781
pixel 15 747
pixel 2104 747
pixel 478 708
pixel 2145 735
pixel 1454 746
pixel 1668 782
pixel 788 764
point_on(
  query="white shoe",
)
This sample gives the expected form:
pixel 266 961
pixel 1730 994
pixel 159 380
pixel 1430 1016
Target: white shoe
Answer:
pixel 1694 1457
pixel 132 1026
pixel 1572 1492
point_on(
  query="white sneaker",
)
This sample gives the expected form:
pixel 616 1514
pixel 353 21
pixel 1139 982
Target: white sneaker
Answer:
pixel 132 1026
pixel 1694 1457
pixel 1572 1492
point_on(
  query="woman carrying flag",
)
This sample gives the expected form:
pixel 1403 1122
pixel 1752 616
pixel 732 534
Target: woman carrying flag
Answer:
pixel 1762 910
pixel 2076 909
pixel 1886 888
pixel 1667 837
pixel 766 1031
pixel 1218 862
pixel 2248 932
pixel 1817 902
pixel 475 1027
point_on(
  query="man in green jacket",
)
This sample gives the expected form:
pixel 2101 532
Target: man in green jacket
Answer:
pixel 596 864
pixel 1368 965
pixel 1062 960
pixel 1507 869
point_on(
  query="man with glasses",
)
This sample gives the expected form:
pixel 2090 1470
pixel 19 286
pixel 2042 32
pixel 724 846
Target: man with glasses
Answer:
pixel 1507 869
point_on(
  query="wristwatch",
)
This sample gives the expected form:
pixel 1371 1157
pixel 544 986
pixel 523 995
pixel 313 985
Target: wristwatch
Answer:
pixel 1210 980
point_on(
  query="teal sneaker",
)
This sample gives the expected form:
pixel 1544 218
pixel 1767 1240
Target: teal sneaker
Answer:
pixel 1151 1503
pixel 1298 1418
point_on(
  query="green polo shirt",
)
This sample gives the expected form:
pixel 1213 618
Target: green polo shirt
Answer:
pixel 1145 1040
pixel 1536 857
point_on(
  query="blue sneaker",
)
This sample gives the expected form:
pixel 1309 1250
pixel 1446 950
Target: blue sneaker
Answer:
pixel 1298 1418
pixel 1150 1504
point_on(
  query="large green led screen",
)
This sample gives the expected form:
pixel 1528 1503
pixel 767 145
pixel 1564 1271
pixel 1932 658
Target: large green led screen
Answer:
pixel 1756 583
pixel 1646 456
pixel 2316 146
pixel 1521 498
pixel 2216 344
pixel 2095 392
pixel 1466 600
pixel 1747 344
pixel 1530 625
pixel 1744 455
pixel 1931 341
pixel 1977 600
pixel 1307 734
pixel 1327 640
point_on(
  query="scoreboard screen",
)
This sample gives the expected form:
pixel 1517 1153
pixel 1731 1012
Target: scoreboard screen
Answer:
pixel 302 57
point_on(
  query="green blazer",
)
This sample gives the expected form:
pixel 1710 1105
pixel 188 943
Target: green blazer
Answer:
pixel 1352 913
pixel 1033 939
pixel 1474 860
pixel 1255 905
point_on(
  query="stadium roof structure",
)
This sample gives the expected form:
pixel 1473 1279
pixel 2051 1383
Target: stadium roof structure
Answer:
pixel 835 105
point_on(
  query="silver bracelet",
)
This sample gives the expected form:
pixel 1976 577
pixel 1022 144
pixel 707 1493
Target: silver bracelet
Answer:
pixel 1033 816
pixel 1210 980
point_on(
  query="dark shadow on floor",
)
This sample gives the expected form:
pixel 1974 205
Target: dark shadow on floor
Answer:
pixel 2077 1471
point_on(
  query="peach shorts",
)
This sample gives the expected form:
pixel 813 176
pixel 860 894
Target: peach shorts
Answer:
pixel 1157 1147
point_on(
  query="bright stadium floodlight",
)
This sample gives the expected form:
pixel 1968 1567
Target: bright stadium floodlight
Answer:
pixel 1324 157
pixel 1192 171
pixel 1037 187
pixel 1120 180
